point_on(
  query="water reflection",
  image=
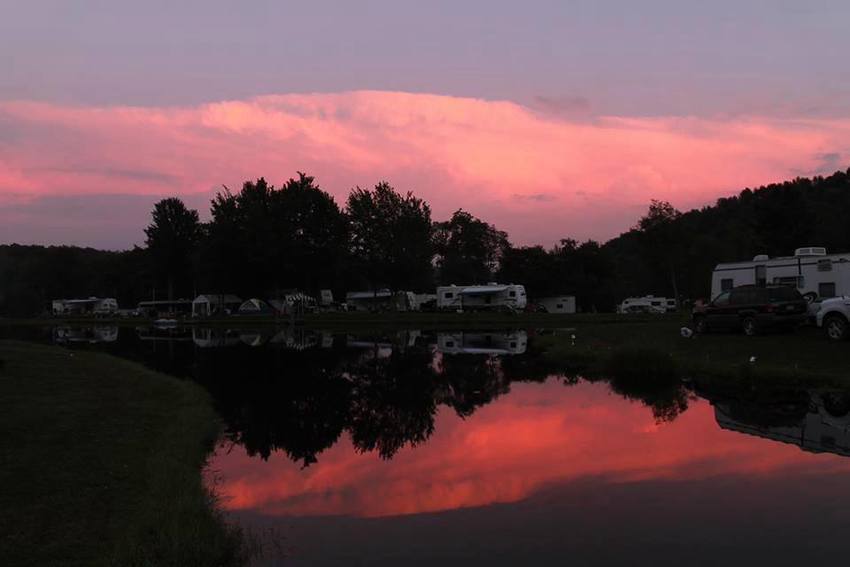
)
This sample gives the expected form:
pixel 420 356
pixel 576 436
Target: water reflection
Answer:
pixel 322 426
pixel 92 335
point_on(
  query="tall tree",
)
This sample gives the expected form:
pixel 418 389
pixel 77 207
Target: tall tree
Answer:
pixel 313 233
pixel 662 239
pixel 172 240
pixel 264 239
pixel 468 249
pixel 391 237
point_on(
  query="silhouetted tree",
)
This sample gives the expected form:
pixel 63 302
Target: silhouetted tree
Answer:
pixel 172 240
pixel 390 237
pixel 468 249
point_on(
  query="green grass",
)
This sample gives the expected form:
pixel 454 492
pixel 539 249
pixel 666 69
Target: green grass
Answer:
pixel 101 464
pixel 803 356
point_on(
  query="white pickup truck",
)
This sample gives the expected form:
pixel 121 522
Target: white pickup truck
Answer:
pixel 834 316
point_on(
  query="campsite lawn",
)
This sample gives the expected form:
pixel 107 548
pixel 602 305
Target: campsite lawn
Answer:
pixel 101 464
pixel 801 356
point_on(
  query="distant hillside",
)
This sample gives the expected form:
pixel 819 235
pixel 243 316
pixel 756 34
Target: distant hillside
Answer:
pixel 775 220
pixel 30 276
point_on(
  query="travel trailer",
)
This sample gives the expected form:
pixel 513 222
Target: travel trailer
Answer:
pixel 816 274
pixel 215 305
pixel 482 343
pixel 558 304
pixel 492 296
pixel 100 306
pixel 380 300
pixel 647 304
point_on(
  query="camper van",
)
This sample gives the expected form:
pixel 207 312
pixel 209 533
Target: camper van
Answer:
pixel 492 296
pixel 816 274
pixel 647 304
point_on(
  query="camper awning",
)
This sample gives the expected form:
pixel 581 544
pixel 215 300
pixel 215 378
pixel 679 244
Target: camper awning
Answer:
pixel 481 289
pixel 368 295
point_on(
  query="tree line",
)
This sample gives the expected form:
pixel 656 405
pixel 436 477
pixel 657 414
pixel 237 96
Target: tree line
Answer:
pixel 262 239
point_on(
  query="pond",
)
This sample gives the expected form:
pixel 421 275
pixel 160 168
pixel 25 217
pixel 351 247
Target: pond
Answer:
pixel 473 448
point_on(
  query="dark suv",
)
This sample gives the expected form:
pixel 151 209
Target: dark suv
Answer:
pixel 752 309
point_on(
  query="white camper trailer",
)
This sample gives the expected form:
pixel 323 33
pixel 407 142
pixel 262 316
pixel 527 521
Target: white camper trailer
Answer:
pixel 647 304
pixel 558 304
pixel 816 274
pixel 482 297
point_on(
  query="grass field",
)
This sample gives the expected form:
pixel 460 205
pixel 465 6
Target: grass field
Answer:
pixel 804 355
pixel 101 464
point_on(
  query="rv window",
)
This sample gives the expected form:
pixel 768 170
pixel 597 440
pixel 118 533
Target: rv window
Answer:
pixel 792 281
pixel 825 265
pixel 656 303
pixel 512 293
pixel 450 344
pixel 826 289
pixel 449 295
pixel 559 306
pixel 726 284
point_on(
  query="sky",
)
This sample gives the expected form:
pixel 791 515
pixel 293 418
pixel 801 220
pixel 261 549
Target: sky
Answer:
pixel 549 119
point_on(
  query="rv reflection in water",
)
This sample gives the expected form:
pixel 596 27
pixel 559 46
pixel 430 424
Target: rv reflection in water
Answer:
pixel 99 334
pixel 482 343
pixel 820 426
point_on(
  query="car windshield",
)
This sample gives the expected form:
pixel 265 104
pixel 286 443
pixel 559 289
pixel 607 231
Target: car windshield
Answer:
pixel 783 294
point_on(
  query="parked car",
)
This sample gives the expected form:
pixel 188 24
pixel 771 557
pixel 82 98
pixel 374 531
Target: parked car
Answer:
pixel 834 317
pixel 752 309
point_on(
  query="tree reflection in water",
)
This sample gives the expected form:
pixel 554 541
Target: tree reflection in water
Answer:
pixel 384 392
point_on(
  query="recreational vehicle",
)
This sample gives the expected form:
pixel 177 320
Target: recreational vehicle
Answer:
pixel 100 306
pixel 647 304
pixel 558 304
pixel 215 305
pixel 492 296
pixel 380 300
pixel 816 274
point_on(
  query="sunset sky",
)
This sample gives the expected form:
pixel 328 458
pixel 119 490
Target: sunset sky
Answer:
pixel 550 119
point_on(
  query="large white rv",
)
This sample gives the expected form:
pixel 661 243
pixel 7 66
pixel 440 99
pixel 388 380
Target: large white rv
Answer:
pixel 491 296
pixel 816 274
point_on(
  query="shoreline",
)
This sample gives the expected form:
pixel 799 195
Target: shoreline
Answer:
pixel 106 461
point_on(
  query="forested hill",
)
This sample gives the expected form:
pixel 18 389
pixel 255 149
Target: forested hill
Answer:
pixel 263 239
pixel 774 220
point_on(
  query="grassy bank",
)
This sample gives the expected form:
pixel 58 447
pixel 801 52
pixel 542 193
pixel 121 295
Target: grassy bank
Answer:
pixel 101 464
pixel 803 356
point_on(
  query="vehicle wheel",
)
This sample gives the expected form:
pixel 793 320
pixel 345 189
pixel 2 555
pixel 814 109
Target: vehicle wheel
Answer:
pixel 700 325
pixel 749 326
pixel 836 327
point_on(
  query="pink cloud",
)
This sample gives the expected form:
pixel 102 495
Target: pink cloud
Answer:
pixel 540 177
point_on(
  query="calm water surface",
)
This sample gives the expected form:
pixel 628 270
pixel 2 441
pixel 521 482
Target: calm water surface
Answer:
pixel 470 448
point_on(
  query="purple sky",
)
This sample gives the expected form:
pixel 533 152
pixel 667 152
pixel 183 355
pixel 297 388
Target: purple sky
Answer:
pixel 570 62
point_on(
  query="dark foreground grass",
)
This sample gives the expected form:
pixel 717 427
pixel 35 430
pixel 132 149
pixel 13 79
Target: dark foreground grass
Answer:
pixel 100 464
pixel 803 356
